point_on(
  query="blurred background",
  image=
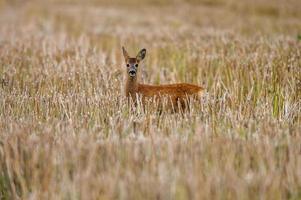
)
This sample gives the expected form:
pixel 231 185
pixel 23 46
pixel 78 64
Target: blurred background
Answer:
pixel 149 20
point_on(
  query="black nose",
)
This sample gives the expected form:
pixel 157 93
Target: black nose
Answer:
pixel 132 73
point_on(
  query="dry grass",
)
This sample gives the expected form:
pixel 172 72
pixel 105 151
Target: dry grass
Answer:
pixel 65 128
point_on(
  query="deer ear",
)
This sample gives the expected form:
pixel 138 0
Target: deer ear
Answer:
pixel 125 54
pixel 141 54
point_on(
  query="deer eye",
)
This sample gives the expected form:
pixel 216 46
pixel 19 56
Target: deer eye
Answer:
pixel 128 65
pixel 136 65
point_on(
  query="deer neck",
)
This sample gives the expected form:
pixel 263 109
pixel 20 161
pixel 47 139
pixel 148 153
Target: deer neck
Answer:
pixel 131 87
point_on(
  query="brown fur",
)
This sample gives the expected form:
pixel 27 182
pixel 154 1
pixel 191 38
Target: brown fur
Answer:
pixel 177 94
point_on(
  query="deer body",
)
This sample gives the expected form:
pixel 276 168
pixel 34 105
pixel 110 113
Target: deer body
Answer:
pixel 177 94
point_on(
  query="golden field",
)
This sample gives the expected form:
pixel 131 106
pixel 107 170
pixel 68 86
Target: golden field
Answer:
pixel 66 131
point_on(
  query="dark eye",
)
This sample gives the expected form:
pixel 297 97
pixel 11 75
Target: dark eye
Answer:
pixel 136 65
pixel 128 65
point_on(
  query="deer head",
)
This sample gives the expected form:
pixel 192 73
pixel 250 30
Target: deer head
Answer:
pixel 132 63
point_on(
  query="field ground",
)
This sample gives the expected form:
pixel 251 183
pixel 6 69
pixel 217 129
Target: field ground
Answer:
pixel 65 127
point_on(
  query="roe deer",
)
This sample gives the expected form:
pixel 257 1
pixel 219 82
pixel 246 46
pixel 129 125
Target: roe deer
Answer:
pixel 177 94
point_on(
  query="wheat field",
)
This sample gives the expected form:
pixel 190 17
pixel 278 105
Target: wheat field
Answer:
pixel 67 132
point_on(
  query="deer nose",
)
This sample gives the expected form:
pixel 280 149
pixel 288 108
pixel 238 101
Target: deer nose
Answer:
pixel 132 72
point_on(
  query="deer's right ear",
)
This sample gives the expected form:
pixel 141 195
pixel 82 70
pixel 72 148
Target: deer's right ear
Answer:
pixel 125 54
pixel 141 54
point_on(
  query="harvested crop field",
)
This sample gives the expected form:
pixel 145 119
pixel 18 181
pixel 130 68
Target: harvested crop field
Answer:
pixel 67 132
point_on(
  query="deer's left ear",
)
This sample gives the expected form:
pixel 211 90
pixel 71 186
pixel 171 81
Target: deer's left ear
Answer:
pixel 125 54
pixel 141 54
